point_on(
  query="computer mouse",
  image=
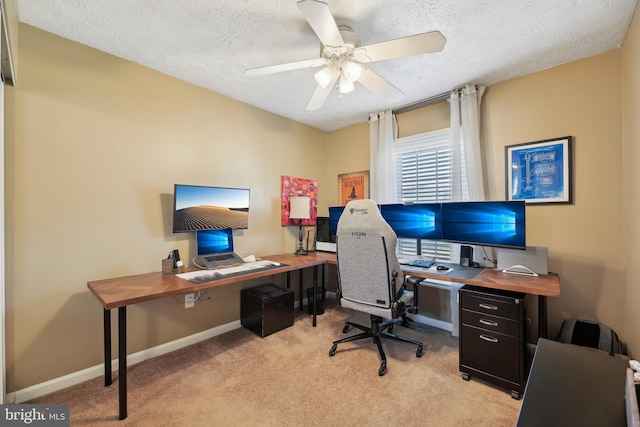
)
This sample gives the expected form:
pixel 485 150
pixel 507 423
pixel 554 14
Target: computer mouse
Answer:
pixel 442 267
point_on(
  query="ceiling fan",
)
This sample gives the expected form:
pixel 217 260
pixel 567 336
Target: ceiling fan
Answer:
pixel 344 60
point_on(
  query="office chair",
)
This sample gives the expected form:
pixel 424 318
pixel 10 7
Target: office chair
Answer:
pixel 370 277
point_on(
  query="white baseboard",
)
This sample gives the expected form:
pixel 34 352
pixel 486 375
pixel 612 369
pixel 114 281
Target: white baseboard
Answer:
pixel 39 390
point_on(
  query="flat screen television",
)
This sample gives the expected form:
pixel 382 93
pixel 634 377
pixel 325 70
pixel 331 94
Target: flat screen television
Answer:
pixel 198 207
pixel 214 241
pixel 500 224
pixel 414 221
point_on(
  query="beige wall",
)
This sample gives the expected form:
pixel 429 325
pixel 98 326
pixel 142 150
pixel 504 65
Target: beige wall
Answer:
pixel 581 99
pixel 631 183
pixel 94 145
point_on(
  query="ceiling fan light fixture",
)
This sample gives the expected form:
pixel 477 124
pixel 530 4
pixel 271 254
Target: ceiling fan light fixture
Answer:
pixel 351 71
pixel 325 76
pixel 344 85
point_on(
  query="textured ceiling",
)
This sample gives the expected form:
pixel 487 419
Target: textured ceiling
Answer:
pixel 211 42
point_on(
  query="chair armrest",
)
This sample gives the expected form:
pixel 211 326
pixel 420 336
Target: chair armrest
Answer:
pixel 415 286
pixel 413 280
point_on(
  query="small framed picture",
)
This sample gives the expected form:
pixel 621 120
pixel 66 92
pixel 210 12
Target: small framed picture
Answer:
pixel 353 186
pixel 539 172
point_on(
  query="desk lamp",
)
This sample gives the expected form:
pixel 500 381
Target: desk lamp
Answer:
pixel 299 208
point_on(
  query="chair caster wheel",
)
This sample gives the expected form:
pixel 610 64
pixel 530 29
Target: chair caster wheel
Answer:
pixel 332 352
pixel 345 329
pixel 383 369
pixel 419 351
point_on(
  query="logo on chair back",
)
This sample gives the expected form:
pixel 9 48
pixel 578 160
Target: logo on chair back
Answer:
pixel 358 234
pixel 362 211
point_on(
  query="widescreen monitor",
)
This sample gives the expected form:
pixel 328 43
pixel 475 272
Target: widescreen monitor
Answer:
pixel 214 241
pixel 500 224
pixel 198 207
pixel 414 221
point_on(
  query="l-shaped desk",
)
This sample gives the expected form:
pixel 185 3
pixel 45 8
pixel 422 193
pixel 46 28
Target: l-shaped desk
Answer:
pixel 124 291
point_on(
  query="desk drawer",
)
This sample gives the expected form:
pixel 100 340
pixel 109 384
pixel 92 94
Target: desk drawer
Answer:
pixel 492 353
pixel 490 323
pixel 504 304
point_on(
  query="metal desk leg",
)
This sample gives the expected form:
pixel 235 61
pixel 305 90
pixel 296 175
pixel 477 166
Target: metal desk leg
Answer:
pixel 542 316
pixel 315 291
pixel 288 280
pixel 300 284
pixel 107 347
pixel 122 361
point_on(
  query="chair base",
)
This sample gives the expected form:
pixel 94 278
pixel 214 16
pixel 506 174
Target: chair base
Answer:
pixel 376 332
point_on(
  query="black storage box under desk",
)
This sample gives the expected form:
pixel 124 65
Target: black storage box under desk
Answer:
pixel 266 309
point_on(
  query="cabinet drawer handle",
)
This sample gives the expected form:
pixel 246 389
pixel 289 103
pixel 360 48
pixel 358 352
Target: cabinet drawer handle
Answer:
pixel 488 338
pixel 488 322
pixel 488 306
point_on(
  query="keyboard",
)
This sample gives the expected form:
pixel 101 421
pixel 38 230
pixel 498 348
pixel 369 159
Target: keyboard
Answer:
pixel 243 268
pixel 424 263
pixel 203 276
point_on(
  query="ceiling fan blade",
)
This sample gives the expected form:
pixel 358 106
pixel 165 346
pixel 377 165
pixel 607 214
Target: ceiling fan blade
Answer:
pixel 419 44
pixel 319 16
pixel 321 94
pixel 376 84
pixel 270 69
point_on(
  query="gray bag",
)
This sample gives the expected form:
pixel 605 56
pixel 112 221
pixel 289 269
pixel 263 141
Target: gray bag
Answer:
pixel 590 334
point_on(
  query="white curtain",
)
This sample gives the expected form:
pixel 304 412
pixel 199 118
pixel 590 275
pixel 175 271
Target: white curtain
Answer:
pixel 382 128
pixel 465 142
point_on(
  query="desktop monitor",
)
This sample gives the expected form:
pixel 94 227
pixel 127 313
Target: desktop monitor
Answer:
pixel 414 221
pixel 214 241
pixel 334 216
pixel 198 207
pixel 500 224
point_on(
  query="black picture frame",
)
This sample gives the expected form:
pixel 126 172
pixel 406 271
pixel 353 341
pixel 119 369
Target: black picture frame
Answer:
pixel 540 172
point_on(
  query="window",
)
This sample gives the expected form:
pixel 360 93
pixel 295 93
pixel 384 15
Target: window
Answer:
pixel 423 166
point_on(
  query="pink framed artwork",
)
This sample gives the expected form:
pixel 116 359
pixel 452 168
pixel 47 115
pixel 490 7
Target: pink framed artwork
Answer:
pixel 291 187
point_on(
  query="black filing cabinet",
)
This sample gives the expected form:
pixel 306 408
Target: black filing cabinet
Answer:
pixel 492 342
pixel 266 309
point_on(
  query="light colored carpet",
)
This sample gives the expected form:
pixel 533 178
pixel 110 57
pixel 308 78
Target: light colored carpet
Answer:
pixel 288 379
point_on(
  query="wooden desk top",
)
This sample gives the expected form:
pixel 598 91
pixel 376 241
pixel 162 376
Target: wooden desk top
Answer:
pixel 123 291
pixel 548 285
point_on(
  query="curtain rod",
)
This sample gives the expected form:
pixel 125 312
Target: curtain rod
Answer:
pixel 429 101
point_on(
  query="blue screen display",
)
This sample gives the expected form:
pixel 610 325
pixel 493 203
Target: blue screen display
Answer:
pixel 415 221
pixel 214 241
pixel 334 217
pixel 485 223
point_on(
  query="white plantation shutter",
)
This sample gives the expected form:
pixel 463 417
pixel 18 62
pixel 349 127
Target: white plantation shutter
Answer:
pixel 423 167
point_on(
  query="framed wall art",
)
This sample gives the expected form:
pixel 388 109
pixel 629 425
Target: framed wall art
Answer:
pixel 539 172
pixel 291 187
pixel 353 186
